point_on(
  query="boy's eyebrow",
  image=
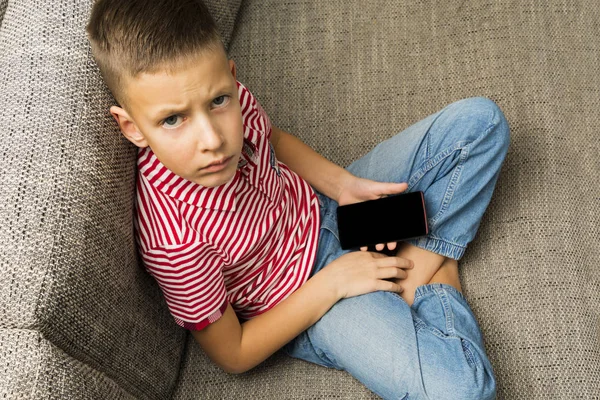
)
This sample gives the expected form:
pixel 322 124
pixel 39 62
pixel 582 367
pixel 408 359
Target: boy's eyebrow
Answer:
pixel 168 110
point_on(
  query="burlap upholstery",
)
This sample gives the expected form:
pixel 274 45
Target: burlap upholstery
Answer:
pixel 78 316
pixel 3 4
pixel 80 319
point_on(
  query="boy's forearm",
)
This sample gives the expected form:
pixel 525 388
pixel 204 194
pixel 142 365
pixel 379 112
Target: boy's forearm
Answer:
pixel 319 172
pixel 268 332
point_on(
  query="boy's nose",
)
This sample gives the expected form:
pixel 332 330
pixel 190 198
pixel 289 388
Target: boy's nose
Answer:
pixel 209 137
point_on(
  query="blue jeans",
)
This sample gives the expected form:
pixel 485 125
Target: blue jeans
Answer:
pixel 433 349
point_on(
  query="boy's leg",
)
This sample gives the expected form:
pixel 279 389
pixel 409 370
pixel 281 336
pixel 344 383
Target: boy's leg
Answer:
pixel 454 157
pixel 448 274
pixel 426 266
pixel 429 268
pixel 433 349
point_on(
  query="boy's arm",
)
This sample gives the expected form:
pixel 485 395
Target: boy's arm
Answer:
pixel 238 348
pixel 327 177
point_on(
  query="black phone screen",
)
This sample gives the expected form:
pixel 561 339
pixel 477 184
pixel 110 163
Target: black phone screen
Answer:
pixel 389 219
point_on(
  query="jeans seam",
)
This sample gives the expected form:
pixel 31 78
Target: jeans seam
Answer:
pixel 429 164
pixel 449 194
pixel 420 325
pixel 326 358
pixel 439 289
pixel 308 347
pixel 432 162
pixel 446 241
pixel 330 229
pixel 464 154
pixel 446 287
pixel 448 314
pixel 440 246
pixel 468 352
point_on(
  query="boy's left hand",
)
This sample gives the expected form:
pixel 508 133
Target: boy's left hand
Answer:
pixel 356 190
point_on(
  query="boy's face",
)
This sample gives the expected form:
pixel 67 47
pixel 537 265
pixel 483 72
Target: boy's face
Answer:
pixel 189 119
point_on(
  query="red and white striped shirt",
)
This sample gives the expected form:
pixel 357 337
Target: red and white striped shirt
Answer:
pixel 250 242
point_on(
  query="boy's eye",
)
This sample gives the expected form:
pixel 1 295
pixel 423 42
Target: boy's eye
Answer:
pixel 170 121
pixel 219 101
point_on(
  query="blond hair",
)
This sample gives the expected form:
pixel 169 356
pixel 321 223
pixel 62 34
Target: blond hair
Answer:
pixel 130 37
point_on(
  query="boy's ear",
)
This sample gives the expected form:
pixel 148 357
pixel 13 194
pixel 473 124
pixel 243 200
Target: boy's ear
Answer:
pixel 128 128
pixel 232 68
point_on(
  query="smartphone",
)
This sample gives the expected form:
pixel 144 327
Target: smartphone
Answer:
pixel 388 219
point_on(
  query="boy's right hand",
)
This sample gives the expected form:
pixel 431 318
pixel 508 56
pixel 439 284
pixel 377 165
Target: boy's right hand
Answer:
pixel 361 272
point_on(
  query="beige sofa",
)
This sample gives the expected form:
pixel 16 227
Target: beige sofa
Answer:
pixel 80 318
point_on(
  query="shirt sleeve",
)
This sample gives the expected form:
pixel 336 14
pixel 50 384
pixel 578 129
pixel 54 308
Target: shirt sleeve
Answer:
pixel 191 279
pixel 253 115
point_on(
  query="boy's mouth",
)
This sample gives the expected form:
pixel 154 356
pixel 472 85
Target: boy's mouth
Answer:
pixel 217 165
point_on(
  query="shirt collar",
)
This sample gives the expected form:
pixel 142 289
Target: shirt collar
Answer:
pixel 216 198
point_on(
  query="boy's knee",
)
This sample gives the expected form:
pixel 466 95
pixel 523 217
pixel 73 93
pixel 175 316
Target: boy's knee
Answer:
pixel 493 115
pixel 482 116
pixel 481 107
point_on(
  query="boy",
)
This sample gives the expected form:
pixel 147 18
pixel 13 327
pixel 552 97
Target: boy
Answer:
pixel 235 218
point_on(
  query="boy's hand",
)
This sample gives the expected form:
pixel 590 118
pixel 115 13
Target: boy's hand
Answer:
pixel 356 190
pixel 361 272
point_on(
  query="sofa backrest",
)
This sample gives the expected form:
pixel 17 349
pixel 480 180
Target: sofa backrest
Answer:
pixel 345 76
pixel 69 265
pixel 3 4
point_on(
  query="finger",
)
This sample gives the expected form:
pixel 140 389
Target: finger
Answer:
pixel 404 263
pixel 389 286
pixel 397 262
pixel 364 248
pixel 392 245
pixel 392 272
pixel 380 246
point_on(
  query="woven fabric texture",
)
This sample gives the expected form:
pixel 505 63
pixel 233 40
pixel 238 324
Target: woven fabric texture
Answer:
pixel 278 377
pixel 225 13
pixel 3 5
pixel 345 75
pixel 78 314
pixel 54 373
pixel 79 318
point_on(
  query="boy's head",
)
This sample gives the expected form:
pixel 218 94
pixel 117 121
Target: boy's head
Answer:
pixel 165 64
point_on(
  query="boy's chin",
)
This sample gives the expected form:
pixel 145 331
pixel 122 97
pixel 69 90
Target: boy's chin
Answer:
pixel 216 178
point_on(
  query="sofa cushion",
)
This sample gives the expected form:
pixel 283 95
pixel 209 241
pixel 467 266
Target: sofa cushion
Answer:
pixel 3 5
pixel 224 13
pixel 68 261
pixel 34 368
pixel 345 75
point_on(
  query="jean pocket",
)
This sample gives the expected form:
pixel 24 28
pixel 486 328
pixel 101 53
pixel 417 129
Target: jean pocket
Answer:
pixel 469 353
pixel 465 344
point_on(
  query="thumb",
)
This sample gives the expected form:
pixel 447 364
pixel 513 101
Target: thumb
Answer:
pixel 391 188
pixel 397 187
